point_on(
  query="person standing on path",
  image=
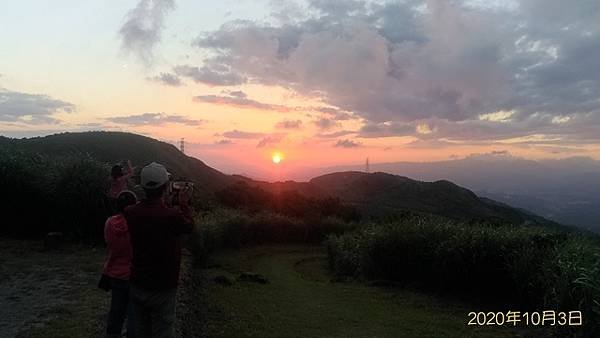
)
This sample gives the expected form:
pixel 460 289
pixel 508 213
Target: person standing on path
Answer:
pixel 155 233
pixel 117 267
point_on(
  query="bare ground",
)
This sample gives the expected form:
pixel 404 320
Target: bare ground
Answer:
pixel 53 293
pixel 46 292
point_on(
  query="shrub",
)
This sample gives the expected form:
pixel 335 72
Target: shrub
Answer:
pixel 78 190
pixel 528 267
pixel 242 195
pixel 573 280
pixel 233 228
pixel 45 194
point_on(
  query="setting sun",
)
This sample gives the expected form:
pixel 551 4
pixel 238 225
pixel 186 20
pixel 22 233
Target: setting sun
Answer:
pixel 277 158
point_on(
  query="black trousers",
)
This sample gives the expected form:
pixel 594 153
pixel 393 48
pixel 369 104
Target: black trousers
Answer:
pixel 120 308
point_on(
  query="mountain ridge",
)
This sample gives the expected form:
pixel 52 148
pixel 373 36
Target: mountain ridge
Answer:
pixel 375 194
pixel 565 190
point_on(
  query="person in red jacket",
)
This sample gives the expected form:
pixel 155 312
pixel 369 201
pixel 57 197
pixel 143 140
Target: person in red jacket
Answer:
pixel 155 232
pixel 117 266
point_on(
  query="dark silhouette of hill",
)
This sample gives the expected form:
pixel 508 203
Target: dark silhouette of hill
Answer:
pixel 375 194
pixel 563 190
pixel 113 147
pixel 380 194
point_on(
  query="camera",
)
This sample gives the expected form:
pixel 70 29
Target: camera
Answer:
pixel 175 187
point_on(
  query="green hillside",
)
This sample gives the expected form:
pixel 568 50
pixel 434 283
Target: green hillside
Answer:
pixel 381 194
pixel 113 147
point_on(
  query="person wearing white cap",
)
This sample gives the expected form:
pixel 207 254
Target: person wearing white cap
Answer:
pixel 155 232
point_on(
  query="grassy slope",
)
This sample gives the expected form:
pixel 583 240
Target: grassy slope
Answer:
pixel 381 194
pixel 112 147
pixel 301 301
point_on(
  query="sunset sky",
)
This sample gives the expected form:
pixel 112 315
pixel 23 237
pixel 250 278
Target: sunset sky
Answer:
pixel 321 82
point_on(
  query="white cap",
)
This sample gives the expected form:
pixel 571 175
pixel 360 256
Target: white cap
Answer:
pixel 154 175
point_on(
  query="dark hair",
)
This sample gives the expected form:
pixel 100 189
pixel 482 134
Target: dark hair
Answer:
pixel 155 193
pixel 116 171
pixel 125 199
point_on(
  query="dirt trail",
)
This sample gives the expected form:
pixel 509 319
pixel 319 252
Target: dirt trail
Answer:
pixel 37 287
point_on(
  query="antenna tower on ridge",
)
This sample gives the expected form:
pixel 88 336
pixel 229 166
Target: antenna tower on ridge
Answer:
pixel 367 166
pixel 182 145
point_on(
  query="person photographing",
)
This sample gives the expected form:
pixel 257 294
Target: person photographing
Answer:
pixel 117 182
pixel 155 231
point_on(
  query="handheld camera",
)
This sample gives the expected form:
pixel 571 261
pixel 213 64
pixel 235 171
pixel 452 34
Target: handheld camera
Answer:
pixel 176 187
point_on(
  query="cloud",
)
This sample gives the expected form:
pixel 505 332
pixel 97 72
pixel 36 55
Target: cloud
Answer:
pixel 265 139
pixel 337 134
pixel 325 123
pixel 224 142
pixel 376 130
pixel 27 108
pixel 335 113
pixel 492 155
pixel 141 31
pixel 347 144
pixel 289 124
pixel 154 119
pixel 92 125
pixel 167 79
pixel 400 63
pixel 237 134
pixel 239 99
pixel 237 93
pixel 430 144
pixel 212 76
pixel 271 139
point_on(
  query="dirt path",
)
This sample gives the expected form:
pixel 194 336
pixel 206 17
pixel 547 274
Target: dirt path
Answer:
pixel 54 293
pixel 50 293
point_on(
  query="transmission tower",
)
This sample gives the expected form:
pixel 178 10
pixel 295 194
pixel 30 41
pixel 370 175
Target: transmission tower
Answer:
pixel 367 166
pixel 182 145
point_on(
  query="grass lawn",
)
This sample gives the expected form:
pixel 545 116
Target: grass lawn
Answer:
pixel 300 300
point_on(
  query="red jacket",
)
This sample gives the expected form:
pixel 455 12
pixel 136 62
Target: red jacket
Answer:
pixel 155 233
pixel 116 235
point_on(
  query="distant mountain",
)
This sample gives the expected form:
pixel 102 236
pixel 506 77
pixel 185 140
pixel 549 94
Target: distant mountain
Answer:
pixel 378 194
pixel 566 191
pixel 374 194
pixel 113 147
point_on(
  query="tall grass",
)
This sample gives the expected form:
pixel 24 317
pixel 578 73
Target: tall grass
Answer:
pixel 233 228
pixel 532 268
pixel 43 194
